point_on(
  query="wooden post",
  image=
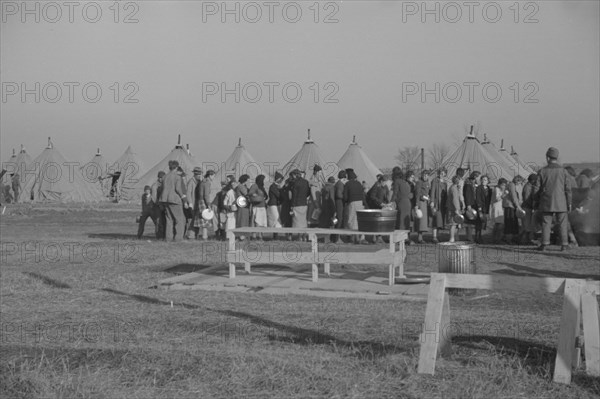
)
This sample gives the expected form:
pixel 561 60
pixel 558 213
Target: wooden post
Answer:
pixel 231 247
pixel 591 333
pixel 437 317
pixel 568 331
pixel 315 251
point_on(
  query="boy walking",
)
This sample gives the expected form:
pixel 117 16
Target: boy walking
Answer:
pixel 147 211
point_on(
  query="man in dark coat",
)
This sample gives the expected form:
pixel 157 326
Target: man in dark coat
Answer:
pixel 554 198
pixel 172 198
pixel 338 189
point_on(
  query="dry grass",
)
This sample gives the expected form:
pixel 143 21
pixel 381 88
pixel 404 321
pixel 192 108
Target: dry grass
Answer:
pixel 73 328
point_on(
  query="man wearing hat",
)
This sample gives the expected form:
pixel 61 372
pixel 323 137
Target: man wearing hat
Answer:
pixel 191 187
pixel 172 198
pixel 554 198
pixel 159 211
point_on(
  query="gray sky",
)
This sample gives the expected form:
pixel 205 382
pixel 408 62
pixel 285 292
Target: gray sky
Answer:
pixel 371 56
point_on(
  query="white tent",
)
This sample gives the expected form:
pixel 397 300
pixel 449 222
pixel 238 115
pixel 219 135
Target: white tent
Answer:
pixel 473 155
pixel 178 154
pixel 57 180
pixel 132 169
pixel 240 162
pixel 305 160
pixel 357 159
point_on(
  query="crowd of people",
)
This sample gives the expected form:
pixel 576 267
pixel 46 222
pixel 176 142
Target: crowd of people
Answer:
pixel 515 211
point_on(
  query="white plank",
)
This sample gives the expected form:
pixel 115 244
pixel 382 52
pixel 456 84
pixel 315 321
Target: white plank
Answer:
pixel 568 331
pixel 432 328
pixel 591 334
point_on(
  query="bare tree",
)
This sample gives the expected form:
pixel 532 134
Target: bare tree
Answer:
pixel 438 154
pixel 409 158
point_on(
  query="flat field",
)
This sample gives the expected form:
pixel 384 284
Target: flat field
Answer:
pixel 81 318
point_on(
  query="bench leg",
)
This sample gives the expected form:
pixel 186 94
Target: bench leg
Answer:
pixel 247 267
pixel 232 270
pixel 327 271
pixel 315 273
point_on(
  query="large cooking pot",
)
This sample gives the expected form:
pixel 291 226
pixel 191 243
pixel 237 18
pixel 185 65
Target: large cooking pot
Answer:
pixel 376 220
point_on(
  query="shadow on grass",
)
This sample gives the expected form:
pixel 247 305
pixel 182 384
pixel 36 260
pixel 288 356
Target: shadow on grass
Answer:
pixel 184 268
pixel 296 335
pixel 543 272
pixel 117 236
pixel 537 359
pixel 47 280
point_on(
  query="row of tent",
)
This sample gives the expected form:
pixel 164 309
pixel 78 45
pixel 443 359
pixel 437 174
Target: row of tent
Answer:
pixel 50 177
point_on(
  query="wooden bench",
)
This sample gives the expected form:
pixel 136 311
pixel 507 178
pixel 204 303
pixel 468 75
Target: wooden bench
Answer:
pixel 393 256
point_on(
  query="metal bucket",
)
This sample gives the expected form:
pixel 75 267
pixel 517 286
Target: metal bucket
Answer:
pixel 375 220
pixel 457 258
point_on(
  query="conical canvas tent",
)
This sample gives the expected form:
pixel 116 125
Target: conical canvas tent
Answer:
pixel 515 166
pixel 57 180
pixel 178 154
pixel 471 154
pixel 504 167
pixel 305 160
pixel 240 162
pixel 132 170
pixel 525 167
pixel 357 159
pixel 95 170
pixel 6 194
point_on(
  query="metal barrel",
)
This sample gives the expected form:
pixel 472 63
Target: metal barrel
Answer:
pixel 457 258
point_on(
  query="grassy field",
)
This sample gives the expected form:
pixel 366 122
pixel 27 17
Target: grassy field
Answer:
pixel 81 319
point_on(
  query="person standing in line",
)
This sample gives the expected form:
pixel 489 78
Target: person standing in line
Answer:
pixel 274 203
pixel 173 198
pixel 300 194
pixel 354 198
pixel 402 196
pixel 454 207
pixel 192 194
pixel 483 199
pixel 528 226
pixel 338 189
pixel 159 209
pixel 229 205
pixel 220 219
pixel 203 203
pixel 437 194
pixel 328 205
pixel 497 211
pixel 378 197
pixel 512 204
pixel 422 189
pixel 316 184
pixel 243 213
pixel 258 198
pixel 470 204
pixel 554 198
pixel 584 180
